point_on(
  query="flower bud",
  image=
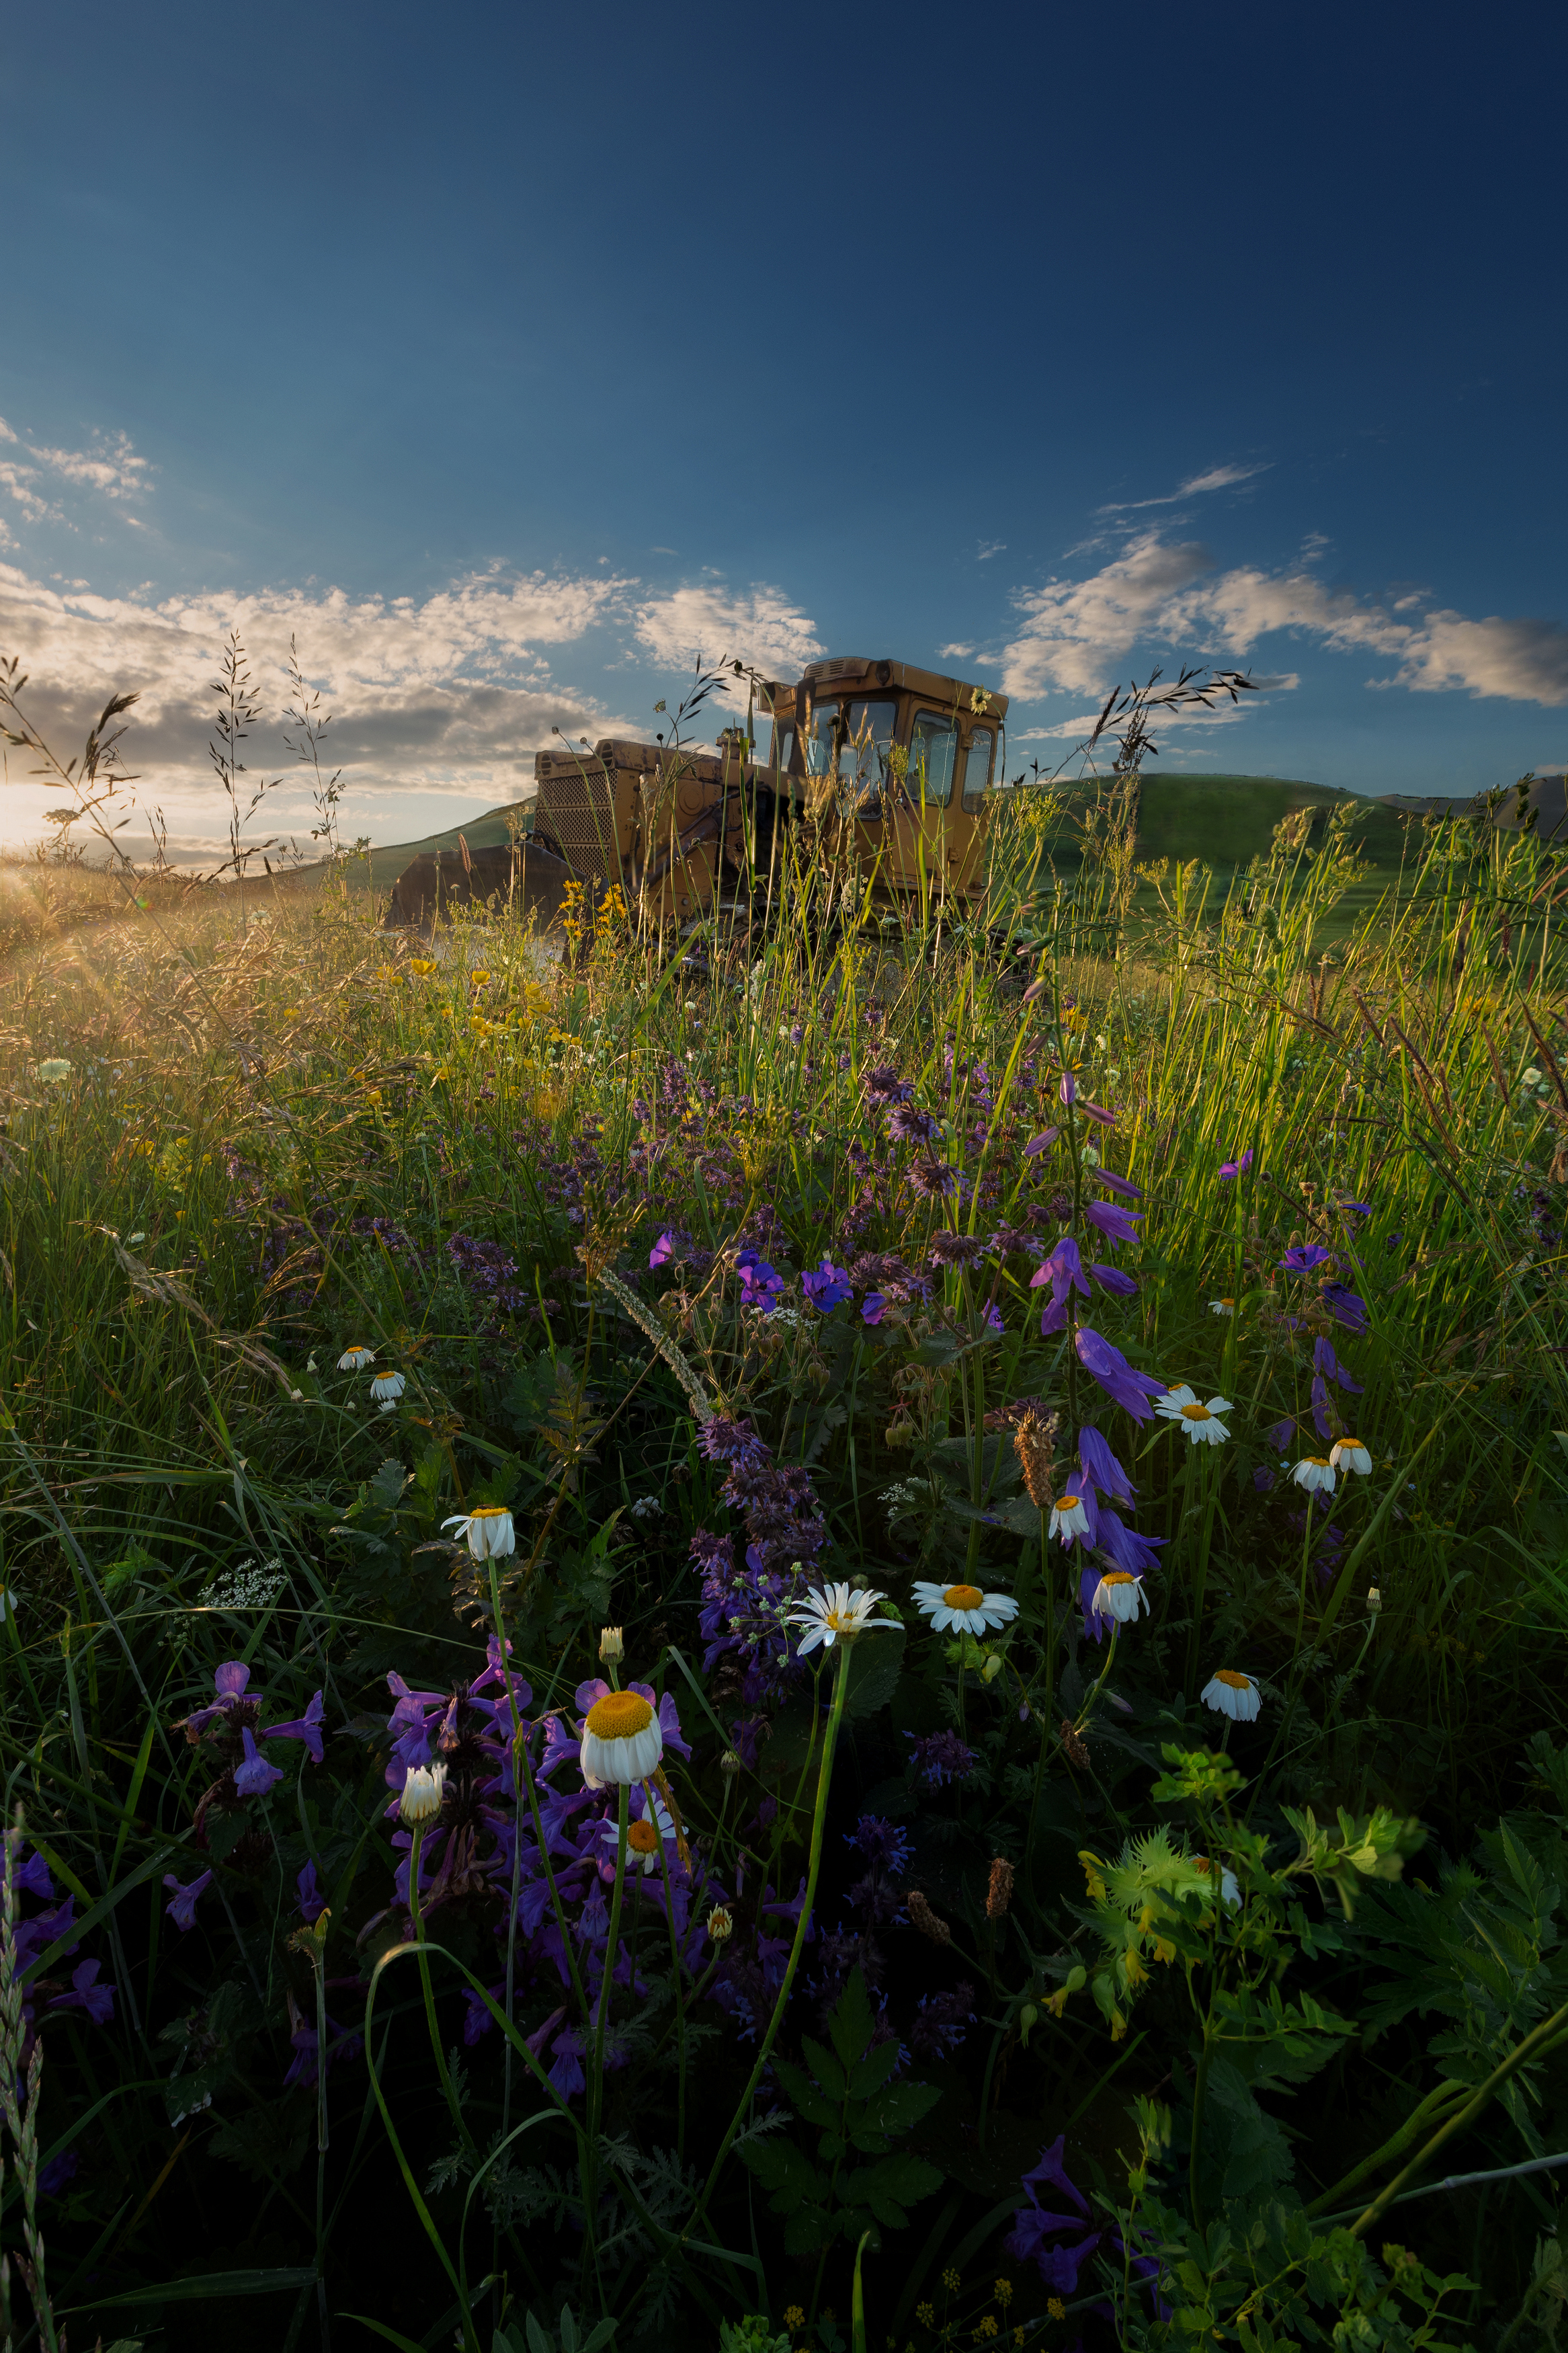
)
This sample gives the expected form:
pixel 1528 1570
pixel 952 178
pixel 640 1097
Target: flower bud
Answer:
pixel 611 1645
pixel 1028 2018
pixel 720 1926
pixel 729 1762
pixel 1373 1602
pixel 992 1669
pixel 421 1794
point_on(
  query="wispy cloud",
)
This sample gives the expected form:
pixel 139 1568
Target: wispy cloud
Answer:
pixel 988 548
pixel 762 625
pixel 1217 478
pixel 33 479
pixel 1075 635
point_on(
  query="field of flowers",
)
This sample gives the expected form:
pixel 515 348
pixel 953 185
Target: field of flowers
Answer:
pixel 848 1635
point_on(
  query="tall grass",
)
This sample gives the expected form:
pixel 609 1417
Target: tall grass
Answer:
pixel 275 1136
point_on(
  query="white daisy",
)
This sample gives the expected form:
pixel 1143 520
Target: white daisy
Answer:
pixel 833 1611
pixel 1068 1518
pixel 489 1529
pixel 1315 1472
pixel 1222 1307
pixel 1118 1595
pixel 1229 1893
pixel 1349 1454
pixel 355 1356
pixel 422 1793
pixel 964 1608
pixel 623 1740
pixel 1233 1694
pixel 1201 1422
pixel 642 1839
pixel 387 1389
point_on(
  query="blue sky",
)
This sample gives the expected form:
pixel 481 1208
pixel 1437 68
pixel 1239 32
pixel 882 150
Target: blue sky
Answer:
pixel 510 357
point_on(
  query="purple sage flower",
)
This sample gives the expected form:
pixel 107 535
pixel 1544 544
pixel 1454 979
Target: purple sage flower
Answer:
pixel 255 1776
pixel 181 1911
pixel 941 2021
pixel 306 1727
pixel 939 1757
pixel 87 1994
pixel 912 1125
pixel 312 1903
pixel 1035 2227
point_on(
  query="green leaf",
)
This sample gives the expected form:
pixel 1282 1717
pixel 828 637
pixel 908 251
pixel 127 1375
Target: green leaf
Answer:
pixel 851 2023
pixel 897 2112
pixel 887 2188
pixel 214 2283
pixel 826 2068
pixel 868 2074
pixel 875 1663
pixel 802 2094
pixel 807 2230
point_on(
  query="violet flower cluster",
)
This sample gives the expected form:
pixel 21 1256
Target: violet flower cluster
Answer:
pixel 744 1604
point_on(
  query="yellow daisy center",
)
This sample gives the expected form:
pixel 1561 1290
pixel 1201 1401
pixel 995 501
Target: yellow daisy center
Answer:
pixel 619 1716
pixel 1195 1412
pixel 485 1511
pixel 642 1838
pixel 1069 1503
pixel 1350 1446
pixel 1318 1461
pixel 964 1597
pixel 1237 1682
pixel 1117 1576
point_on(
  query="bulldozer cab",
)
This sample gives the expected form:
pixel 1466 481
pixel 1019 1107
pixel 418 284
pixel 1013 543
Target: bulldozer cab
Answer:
pixel 893 764
pixel 905 756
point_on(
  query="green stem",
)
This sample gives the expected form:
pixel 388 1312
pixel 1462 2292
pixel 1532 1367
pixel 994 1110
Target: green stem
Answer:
pixel 819 1820
pixel 418 1916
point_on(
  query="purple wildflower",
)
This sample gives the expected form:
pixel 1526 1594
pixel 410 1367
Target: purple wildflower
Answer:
pixel 725 1441
pixel 1322 1411
pixel 1263 1478
pixel 827 1289
pixel 1346 1307
pixel 1121 1185
pixel 880 1842
pixel 1110 1369
pixel 939 1757
pixel 312 1903
pixel 760 1284
pixel 1068 1091
pixel 89 1995
pixel 255 1776
pixel 1229 1168
pixel 911 1126
pixel 1111 1278
pixel 1041 1142
pixel 1097 1112
pixel 884 1085
pixel 1118 1225
pixel 933 1180
pixel 1100 1466
pixel 1063 1271
pixel 306 1727
pixel 1281 1435
pixel 1305 1257
pixel 1124 1547
pixel 941 2021
pixel 230 1681
pixel 53 2177
pixel 1058 2265
pixel 181 1911
pixel 663 1249
pixel 873 1308
pixel 1325 1361
pixel 303 2066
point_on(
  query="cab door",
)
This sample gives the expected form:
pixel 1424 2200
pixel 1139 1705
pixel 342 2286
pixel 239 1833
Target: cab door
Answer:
pixel 916 844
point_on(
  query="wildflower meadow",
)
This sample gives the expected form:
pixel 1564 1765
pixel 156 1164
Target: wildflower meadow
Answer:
pixel 846 1631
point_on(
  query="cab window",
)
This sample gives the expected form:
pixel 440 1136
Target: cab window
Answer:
pixel 977 766
pixel 863 733
pixel 784 749
pixel 934 747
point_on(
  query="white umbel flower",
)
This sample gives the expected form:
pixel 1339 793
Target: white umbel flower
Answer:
pixel 1348 1454
pixel 1200 1422
pixel 964 1608
pixel 642 1839
pixel 489 1529
pixel 1231 1694
pixel 387 1389
pixel 1068 1518
pixel 1316 1473
pixel 1118 1595
pixel 835 1613
pixel 622 1740
pixel 355 1357
pixel 421 1794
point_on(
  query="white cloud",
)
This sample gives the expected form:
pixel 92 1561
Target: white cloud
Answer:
pixel 762 627
pixel 1076 634
pixel 954 653
pixel 112 466
pixel 1217 478
pixel 451 694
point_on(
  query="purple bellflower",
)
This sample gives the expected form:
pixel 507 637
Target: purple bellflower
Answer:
pixel 1325 1362
pixel 1117 1225
pixel 1100 1467
pixel 1229 1168
pixel 1058 2264
pixel 181 1910
pixel 1110 1369
pixel 1346 1307
pixel 1121 1185
pixel 1041 1142
pixel 1111 1278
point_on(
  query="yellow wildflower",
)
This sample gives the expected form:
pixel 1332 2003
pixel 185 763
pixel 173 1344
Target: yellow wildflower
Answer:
pixel 1003 2292
pixel 793 2316
pixel 1056 2307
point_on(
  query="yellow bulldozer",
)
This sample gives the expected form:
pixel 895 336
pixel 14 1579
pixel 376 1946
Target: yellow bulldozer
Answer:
pixel 890 765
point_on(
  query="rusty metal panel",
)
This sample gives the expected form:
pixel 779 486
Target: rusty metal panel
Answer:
pixel 575 809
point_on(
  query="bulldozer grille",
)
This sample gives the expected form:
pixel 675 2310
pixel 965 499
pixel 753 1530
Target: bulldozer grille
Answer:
pixel 578 814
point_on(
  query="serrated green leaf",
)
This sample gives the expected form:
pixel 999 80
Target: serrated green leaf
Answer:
pixel 868 2075
pixel 829 2074
pixel 807 2230
pixel 851 2023
pixel 802 2094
